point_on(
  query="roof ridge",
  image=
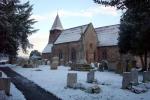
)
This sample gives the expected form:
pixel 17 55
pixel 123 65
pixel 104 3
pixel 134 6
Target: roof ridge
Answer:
pixel 75 27
pixel 107 26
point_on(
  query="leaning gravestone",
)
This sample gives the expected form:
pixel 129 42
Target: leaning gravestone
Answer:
pixel 146 76
pixel 126 80
pixel 55 62
pixel 90 76
pixel 71 80
pixel 134 75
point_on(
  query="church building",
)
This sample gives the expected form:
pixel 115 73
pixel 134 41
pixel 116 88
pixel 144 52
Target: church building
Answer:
pixel 82 44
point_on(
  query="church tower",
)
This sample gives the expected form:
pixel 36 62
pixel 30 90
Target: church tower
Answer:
pixel 55 30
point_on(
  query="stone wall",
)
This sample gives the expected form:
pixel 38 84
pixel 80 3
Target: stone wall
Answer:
pixel 112 55
pixel 90 43
pixel 66 48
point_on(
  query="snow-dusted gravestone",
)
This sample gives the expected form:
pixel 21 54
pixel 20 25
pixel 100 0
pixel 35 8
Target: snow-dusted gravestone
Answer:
pixel 3 95
pixel 126 79
pixel 134 75
pixel 0 74
pixel 146 76
pixel 55 62
pixel 5 85
pixel 71 80
pixel 90 76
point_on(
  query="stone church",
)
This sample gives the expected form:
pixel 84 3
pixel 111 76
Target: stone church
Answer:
pixel 82 44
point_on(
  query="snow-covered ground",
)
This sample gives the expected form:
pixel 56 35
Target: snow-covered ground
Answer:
pixel 55 82
pixel 15 93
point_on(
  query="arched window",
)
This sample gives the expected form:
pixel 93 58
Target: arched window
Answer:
pixel 60 55
pixel 73 55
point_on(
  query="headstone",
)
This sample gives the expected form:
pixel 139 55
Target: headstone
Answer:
pixel 126 80
pixel 3 95
pixel 55 62
pixel 90 76
pixel 0 74
pixel 146 76
pixel 61 61
pixel 100 67
pixel 134 75
pixel 5 85
pixel 71 80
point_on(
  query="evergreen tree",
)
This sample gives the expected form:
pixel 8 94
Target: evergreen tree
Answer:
pixel 134 35
pixel 15 26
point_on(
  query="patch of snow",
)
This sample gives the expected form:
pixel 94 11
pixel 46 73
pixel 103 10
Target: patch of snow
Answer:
pixel 108 35
pixel 55 81
pixel 48 48
pixel 72 34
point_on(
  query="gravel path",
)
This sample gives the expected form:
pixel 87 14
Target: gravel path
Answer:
pixel 30 90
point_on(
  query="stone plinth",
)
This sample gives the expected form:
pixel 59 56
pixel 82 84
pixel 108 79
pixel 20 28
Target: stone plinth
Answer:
pixel 126 80
pixel 71 80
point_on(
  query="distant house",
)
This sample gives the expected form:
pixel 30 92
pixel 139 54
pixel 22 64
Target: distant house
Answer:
pixel 82 44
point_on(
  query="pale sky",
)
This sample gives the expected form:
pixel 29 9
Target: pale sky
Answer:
pixel 72 13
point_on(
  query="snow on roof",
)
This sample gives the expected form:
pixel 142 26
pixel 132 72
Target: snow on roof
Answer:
pixel 57 24
pixel 48 48
pixel 108 35
pixel 70 35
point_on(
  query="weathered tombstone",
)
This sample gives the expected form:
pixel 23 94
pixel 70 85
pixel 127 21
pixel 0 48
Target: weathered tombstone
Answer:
pixel 90 76
pixel 5 85
pixel 0 74
pixel 134 75
pixel 61 61
pixel 71 80
pixel 55 62
pixel 100 67
pixel 126 80
pixel 3 95
pixel 146 76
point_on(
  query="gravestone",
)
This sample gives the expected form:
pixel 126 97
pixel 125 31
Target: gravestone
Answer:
pixel 71 80
pixel 126 80
pixel 5 85
pixel 90 76
pixel 62 62
pixel 55 62
pixel 3 95
pixel 146 76
pixel 100 67
pixel 0 74
pixel 134 75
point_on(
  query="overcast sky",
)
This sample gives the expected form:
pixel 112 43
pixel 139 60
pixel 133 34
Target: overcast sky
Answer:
pixel 72 13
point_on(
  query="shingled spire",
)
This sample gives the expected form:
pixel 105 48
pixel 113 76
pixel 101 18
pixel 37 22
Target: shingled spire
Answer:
pixel 57 24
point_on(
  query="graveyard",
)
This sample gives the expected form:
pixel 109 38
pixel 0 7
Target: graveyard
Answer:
pixel 107 84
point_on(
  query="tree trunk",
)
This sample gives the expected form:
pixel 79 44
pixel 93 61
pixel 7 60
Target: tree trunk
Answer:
pixel 145 61
pixel 142 61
